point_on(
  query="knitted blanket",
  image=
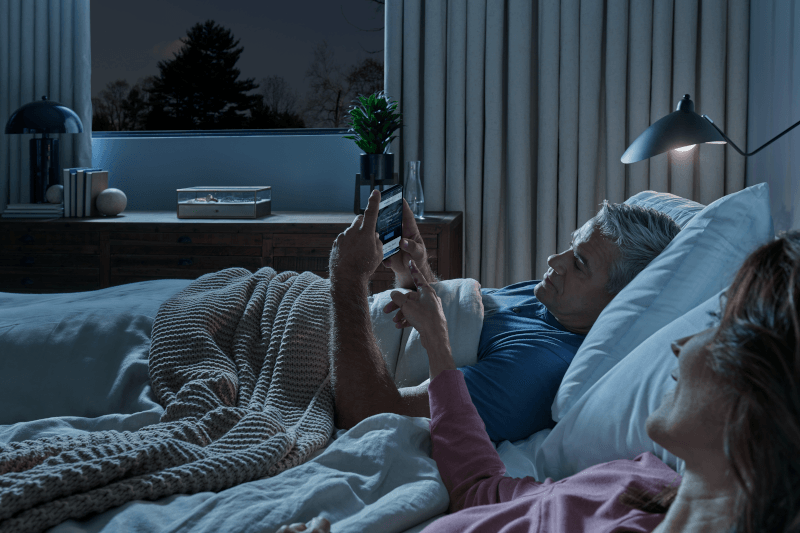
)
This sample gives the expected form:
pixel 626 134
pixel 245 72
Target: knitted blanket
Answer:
pixel 240 363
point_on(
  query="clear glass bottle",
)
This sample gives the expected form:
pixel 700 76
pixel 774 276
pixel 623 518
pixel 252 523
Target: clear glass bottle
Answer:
pixel 412 189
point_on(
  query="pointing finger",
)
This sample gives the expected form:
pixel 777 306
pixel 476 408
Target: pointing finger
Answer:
pixel 371 213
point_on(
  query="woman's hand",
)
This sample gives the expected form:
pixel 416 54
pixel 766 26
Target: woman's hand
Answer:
pixel 316 525
pixel 423 310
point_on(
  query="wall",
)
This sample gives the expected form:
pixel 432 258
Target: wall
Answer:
pixel 774 105
pixel 306 172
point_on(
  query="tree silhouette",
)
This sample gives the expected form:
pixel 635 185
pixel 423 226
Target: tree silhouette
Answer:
pixel 120 107
pixel 332 89
pixel 200 88
pixel 277 106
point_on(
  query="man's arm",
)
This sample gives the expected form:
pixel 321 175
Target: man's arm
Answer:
pixel 412 246
pixel 361 383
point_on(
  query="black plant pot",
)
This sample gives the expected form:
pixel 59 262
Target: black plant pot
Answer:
pixel 379 165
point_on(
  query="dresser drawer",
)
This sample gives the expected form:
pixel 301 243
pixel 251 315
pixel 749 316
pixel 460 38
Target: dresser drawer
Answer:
pixel 22 260
pixel 42 279
pixel 38 238
pixel 186 238
pixel 152 263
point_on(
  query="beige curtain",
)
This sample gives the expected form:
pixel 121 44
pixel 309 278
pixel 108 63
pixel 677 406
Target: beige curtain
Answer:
pixel 44 50
pixel 521 110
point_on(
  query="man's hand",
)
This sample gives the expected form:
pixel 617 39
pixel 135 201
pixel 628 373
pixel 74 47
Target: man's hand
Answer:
pixel 411 247
pixel 423 310
pixel 358 251
pixel 315 525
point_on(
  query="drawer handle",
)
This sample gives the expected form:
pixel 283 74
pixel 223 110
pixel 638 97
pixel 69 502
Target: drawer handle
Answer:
pixel 185 239
pixel 27 261
pixel 185 262
pixel 26 282
pixel 26 239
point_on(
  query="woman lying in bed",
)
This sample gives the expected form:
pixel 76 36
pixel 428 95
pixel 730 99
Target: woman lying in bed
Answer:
pixel 733 417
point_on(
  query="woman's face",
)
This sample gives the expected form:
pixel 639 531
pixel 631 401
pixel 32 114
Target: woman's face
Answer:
pixel 690 416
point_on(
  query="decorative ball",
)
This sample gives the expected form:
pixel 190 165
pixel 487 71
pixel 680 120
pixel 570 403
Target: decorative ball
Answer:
pixel 111 202
pixel 55 194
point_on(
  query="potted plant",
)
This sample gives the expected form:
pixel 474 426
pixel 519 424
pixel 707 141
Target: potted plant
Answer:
pixel 373 119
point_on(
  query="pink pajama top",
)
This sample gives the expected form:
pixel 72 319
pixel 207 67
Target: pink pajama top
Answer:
pixel 482 499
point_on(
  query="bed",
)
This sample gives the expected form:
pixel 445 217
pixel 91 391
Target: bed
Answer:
pixel 77 364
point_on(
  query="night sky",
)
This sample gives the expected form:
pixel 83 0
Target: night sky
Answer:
pixel 278 36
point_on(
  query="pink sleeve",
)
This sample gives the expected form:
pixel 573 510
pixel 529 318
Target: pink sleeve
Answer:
pixel 467 460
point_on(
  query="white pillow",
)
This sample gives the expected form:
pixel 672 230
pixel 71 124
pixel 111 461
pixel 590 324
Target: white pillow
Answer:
pixel 406 359
pixel 605 425
pixel 680 209
pixel 697 264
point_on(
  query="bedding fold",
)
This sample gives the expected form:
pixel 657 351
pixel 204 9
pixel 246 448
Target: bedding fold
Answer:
pixel 239 361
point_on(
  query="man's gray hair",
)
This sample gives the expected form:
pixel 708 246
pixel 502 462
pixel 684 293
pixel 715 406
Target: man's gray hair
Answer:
pixel 640 234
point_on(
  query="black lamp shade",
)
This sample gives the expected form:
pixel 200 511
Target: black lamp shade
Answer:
pixel 680 128
pixel 44 116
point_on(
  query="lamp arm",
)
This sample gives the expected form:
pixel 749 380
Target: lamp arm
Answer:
pixel 784 132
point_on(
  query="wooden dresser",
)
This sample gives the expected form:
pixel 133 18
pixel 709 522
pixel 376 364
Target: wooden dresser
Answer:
pixel 81 254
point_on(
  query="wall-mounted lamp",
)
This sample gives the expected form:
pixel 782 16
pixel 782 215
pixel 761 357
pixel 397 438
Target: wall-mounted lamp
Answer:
pixel 681 130
pixel 45 117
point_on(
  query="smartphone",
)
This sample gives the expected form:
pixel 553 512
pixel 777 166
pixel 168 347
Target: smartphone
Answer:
pixel 390 220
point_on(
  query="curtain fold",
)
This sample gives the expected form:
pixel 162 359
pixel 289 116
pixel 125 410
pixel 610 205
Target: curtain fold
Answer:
pixel 520 111
pixel 44 50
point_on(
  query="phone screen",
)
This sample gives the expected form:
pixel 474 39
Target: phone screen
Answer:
pixel 390 220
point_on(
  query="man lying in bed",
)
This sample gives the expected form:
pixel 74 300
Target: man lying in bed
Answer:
pixel 531 330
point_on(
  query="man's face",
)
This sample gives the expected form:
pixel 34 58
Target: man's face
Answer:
pixel 573 288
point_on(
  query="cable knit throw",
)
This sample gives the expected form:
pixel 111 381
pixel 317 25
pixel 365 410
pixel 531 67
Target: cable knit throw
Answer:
pixel 240 363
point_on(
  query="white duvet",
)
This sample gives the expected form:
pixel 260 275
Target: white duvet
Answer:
pixel 72 363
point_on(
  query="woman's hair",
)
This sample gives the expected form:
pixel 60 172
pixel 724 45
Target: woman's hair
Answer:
pixel 640 234
pixel 756 354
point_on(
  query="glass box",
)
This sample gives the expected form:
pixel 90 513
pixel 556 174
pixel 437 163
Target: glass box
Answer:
pixel 224 202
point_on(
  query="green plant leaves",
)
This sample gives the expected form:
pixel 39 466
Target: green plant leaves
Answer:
pixel 373 119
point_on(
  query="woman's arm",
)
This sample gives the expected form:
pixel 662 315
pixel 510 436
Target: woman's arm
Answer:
pixel 467 460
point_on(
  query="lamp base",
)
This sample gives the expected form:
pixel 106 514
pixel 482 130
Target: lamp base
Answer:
pixel 44 167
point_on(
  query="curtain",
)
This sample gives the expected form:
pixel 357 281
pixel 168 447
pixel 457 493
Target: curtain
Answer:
pixel 521 110
pixel 44 51
pixel 774 106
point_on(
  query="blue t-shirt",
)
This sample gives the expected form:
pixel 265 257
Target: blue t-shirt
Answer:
pixel 523 354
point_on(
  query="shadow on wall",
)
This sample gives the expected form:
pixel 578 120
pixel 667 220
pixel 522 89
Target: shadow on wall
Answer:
pixel 306 172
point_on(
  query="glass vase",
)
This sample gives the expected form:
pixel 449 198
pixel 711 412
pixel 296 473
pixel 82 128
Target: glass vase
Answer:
pixel 412 189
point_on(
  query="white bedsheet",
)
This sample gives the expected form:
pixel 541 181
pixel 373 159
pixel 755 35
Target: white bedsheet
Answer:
pixel 376 477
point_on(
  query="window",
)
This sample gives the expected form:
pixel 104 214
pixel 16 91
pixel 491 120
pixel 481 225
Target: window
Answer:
pixel 171 64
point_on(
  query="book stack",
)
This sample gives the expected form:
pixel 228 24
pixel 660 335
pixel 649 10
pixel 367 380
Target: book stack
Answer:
pixel 81 187
pixel 34 211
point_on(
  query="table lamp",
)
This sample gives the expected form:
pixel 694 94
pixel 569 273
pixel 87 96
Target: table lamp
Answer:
pixel 681 130
pixel 45 117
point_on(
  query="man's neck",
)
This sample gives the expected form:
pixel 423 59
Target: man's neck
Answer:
pixel 571 329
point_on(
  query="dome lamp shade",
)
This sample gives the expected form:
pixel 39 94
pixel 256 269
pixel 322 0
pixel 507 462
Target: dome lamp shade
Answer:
pixel 44 116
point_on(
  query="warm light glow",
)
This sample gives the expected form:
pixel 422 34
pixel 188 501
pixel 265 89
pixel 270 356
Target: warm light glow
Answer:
pixel 685 148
